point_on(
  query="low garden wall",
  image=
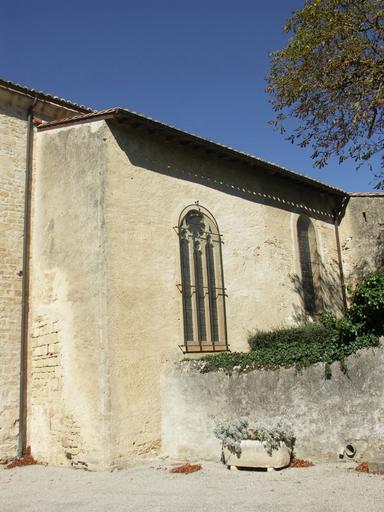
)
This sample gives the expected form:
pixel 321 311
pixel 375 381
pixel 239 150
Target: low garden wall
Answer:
pixel 324 414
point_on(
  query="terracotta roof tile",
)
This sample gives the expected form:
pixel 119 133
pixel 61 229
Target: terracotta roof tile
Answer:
pixel 43 96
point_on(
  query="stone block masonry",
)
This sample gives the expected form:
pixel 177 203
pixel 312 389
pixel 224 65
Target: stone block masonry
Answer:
pixel 46 389
pixel 13 132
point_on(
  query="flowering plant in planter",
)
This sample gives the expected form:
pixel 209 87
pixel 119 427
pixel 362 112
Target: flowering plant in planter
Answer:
pixel 232 433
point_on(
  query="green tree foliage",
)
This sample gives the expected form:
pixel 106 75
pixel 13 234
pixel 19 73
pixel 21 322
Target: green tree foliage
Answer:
pixel 367 308
pixel 331 78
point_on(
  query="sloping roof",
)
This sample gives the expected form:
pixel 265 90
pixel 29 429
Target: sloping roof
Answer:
pixel 172 133
pixel 43 96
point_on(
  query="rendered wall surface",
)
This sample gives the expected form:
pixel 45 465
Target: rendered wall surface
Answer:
pixel 13 131
pixel 105 325
pixel 147 185
pixel 106 311
pixel 325 415
pixel 68 391
pixel 106 314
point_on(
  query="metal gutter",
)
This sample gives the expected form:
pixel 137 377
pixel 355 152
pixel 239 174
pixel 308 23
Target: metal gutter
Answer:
pixel 25 286
pixel 79 119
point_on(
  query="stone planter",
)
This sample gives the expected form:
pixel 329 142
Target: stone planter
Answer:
pixel 254 455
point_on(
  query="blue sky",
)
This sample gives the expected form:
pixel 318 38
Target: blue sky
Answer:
pixel 198 65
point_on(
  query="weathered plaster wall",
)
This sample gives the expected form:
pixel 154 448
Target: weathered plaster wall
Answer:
pixel 12 166
pixel 147 185
pixel 13 138
pixel 106 315
pixel 69 402
pixel 362 235
pixel 325 415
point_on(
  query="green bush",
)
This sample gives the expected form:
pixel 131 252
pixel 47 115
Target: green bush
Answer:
pixel 328 340
pixel 291 347
pixel 367 305
pixel 306 334
pixel 299 353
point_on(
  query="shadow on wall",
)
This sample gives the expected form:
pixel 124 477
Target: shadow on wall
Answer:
pixel 197 165
pixel 371 261
pixel 152 153
pixel 327 290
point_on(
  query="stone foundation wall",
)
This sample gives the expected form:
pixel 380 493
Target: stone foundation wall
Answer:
pixel 325 415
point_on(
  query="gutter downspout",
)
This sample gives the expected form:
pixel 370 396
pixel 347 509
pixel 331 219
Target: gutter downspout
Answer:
pixel 336 213
pixel 25 287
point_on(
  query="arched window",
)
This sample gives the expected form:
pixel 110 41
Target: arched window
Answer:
pixel 309 265
pixel 202 281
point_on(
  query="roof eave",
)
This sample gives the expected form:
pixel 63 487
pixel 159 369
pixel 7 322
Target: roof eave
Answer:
pixel 42 96
pixel 231 153
pixel 185 138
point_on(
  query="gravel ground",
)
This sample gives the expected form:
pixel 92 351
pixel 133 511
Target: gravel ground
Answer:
pixel 150 486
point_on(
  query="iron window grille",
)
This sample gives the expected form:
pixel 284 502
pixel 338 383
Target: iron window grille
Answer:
pixel 202 281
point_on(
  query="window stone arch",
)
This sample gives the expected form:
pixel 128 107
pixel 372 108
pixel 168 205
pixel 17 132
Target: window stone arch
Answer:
pixel 202 281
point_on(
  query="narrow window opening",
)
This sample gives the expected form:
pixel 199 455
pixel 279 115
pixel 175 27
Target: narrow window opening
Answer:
pixel 186 286
pixel 199 292
pixel 309 265
pixel 210 256
pixel 202 281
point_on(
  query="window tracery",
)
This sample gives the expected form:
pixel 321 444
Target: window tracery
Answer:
pixel 202 281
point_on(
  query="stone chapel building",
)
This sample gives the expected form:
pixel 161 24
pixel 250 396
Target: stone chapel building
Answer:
pixel 126 244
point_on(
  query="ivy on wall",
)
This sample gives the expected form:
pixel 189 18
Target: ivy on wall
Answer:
pixel 327 340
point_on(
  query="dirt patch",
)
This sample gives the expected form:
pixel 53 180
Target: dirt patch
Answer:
pixel 362 468
pixel 300 463
pixel 186 468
